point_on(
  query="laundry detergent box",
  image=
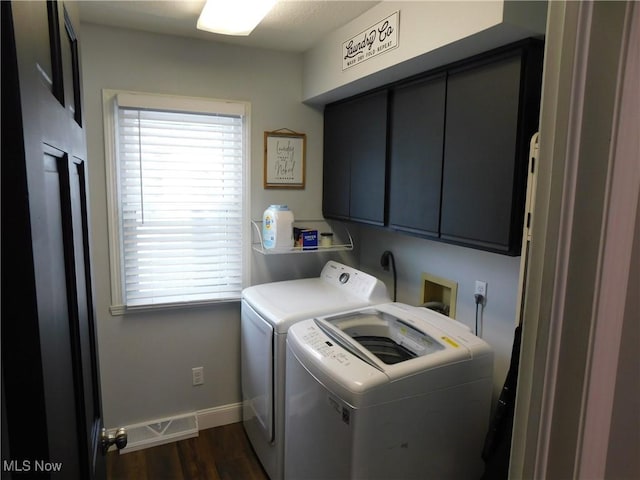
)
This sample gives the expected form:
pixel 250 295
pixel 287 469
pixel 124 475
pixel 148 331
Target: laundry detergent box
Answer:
pixel 306 238
pixel 309 239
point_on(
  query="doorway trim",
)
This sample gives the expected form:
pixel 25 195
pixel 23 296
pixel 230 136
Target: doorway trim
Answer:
pixel 567 327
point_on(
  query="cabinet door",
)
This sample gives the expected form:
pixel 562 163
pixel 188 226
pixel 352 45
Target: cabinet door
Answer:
pixel 368 135
pixel 336 163
pixel 415 163
pixel 355 139
pixel 479 205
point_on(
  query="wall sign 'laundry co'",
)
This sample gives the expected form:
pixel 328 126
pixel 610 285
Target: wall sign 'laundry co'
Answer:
pixel 377 39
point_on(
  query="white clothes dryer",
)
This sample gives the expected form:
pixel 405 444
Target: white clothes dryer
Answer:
pixel 386 392
pixel 267 312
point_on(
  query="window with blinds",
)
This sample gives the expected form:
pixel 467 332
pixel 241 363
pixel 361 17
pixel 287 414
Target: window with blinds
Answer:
pixel 180 178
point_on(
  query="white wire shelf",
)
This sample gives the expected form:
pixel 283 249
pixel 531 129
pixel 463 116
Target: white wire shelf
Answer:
pixel 341 238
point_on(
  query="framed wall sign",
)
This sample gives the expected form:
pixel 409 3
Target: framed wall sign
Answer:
pixel 379 38
pixel 284 159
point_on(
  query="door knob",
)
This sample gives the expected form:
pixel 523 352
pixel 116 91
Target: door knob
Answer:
pixel 119 439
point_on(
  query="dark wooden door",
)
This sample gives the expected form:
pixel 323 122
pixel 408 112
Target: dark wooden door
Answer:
pixel 50 379
pixel 415 156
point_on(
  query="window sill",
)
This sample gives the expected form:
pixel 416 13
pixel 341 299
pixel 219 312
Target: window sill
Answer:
pixel 121 310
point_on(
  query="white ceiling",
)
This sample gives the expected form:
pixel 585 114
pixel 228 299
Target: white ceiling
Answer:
pixel 292 25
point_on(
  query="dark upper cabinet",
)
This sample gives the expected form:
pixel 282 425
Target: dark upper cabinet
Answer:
pixel 415 155
pixel 336 166
pixel 457 152
pixel 491 112
pixel 354 175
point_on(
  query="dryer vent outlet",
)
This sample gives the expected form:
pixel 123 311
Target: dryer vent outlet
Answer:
pixel 439 294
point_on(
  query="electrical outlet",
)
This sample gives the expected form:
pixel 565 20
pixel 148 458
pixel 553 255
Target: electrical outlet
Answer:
pixel 197 374
pixel 481 289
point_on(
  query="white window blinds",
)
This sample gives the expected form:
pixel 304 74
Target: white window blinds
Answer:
pixel 180 186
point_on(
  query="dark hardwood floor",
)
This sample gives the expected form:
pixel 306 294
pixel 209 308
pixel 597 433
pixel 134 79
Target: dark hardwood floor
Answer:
pixel 221 453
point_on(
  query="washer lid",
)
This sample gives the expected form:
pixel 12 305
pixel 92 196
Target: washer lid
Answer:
pixel 451 355
pixel 397 339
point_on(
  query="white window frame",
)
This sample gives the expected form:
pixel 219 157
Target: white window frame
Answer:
pixel 110 102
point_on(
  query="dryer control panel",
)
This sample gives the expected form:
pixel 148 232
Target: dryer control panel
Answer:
pixel 354 282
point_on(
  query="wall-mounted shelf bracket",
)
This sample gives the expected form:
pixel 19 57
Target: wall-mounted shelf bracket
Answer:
pixel 341 238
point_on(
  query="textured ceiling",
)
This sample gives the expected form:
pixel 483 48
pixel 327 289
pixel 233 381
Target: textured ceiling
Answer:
pixel 291 25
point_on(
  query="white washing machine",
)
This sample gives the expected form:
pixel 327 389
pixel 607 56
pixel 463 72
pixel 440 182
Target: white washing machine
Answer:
pixel 386 392
pixel 267 312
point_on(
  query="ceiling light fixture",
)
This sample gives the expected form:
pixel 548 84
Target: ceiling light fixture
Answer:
pixel 233 17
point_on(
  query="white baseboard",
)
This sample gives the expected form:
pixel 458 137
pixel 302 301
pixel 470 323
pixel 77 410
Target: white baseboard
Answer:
pixel 218 416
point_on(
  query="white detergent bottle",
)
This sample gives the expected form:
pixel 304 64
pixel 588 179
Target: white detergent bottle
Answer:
pixel 277 227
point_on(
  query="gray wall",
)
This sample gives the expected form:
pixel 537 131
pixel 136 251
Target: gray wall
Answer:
pixel 146 359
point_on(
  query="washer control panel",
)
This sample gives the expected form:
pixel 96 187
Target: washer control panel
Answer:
pixel 320 343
